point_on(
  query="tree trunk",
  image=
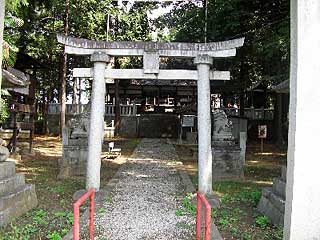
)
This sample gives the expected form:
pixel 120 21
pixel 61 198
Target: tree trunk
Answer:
pixel 64 72
pixel 2 12
pixel 45 112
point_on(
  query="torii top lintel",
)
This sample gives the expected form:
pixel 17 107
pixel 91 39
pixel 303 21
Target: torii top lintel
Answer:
pixel 80 46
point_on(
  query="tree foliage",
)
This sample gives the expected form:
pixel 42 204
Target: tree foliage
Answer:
pixel 264 24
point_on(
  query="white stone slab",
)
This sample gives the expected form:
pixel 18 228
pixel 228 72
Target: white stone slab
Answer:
pixel 151 62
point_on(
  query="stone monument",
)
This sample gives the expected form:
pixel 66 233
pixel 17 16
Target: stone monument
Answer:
pixel 227 163
pixel 16 197
pixel 222 129
pixel 272 202
pixel 75 146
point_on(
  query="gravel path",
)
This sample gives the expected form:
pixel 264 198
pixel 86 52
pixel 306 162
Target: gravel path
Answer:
pixel 146 193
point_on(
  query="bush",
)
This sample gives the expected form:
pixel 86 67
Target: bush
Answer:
pixel 262 221
pixel 4 112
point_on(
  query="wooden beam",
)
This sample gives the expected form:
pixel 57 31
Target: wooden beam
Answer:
pixel 163 74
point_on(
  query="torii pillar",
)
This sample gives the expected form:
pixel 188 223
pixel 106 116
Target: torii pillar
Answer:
pixel 203 63
pixel 302 212
pixel 96 132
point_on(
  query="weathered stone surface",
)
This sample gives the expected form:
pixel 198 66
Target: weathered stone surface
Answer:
pixel 75 147
pixel 279 187
pixel 17 203
pixel 10 183
pixel 4 153
pixel 227 163
pixel 272 206
pixel 7 169
pixel 78 194
pixel 192 137
pixel 222 129
pixel 90 44
pixel 284 173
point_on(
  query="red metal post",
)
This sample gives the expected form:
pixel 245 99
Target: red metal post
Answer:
pixel 91 226
pixel 76 211
pixel 198 219
pixel 76 227
pixel 207 221
pixel 202 200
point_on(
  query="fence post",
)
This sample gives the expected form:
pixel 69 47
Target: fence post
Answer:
pixel 91 226
pixel 198 219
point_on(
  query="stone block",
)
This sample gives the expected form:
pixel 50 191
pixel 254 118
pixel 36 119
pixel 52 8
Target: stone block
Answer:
pixel 192 137
pixel 272 206
pixel 83 155
pixel 279 187
pixel 65 135
pixel 284 173
pixel 4 153
pixel 17 203
pixel 7 169
pixel 78 142
pixel 9 184
pixel 226 163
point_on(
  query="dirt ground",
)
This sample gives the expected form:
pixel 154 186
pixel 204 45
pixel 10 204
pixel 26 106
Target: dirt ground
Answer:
pixel 238 217
pixel 53 216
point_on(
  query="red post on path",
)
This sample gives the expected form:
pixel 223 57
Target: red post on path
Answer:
pixel 76 218
pixel 202 200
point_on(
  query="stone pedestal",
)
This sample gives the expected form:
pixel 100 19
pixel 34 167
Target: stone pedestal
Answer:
pixel 74 156
pixel 192 137
pixel 272 202
pixel 227 164
pixel 16 197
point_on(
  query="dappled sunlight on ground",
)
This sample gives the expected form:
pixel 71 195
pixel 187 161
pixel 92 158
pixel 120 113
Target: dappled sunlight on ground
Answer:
pixel 55 196
pixel 237 215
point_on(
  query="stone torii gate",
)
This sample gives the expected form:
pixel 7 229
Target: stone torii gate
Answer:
pixel 101 53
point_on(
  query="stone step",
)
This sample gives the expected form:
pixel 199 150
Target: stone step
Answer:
pixel 9 184
pixel 7 169
pixel 17 203
pixel 279 187
pixel 272 206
